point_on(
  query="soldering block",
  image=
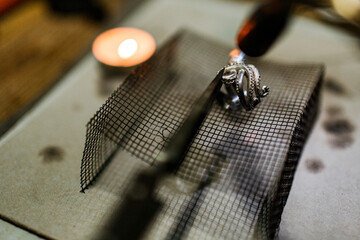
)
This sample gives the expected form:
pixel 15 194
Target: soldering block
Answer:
pixel 251 155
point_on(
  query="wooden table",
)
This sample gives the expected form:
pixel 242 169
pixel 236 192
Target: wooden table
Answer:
pixel 37 46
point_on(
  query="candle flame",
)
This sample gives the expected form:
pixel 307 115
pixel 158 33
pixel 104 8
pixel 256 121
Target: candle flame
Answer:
pixel 127 48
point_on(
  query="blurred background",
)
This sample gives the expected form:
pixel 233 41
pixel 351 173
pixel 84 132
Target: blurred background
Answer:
pixel 40 40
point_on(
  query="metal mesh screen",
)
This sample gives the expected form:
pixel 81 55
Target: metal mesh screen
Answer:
pixel 252 156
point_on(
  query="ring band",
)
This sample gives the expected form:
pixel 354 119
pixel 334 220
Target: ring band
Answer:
pixel 235 73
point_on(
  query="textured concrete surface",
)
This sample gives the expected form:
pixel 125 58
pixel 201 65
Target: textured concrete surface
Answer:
pixel 323 204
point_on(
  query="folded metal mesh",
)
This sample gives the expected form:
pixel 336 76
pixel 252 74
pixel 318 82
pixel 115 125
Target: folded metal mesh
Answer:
pixel 252 156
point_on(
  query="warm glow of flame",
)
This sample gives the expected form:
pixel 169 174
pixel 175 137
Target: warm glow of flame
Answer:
pixel 123 47
pixel 127 48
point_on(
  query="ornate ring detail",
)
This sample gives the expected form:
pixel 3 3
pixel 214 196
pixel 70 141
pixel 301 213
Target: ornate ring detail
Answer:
pixel 236 74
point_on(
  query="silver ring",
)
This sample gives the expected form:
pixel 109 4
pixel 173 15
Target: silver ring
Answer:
pixel 235 74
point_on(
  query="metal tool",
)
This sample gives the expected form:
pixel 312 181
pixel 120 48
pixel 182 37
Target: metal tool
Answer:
pixel 140 205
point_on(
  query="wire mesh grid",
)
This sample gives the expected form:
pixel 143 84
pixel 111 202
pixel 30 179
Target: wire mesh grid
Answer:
pixel 253 155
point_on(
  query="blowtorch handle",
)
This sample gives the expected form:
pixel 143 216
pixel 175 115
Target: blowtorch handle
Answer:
pixel 260 31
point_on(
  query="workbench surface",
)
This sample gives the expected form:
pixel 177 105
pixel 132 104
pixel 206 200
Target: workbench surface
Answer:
pixel 41 155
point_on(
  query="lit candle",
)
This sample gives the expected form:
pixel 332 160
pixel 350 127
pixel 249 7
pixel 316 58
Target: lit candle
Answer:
pixel 123 47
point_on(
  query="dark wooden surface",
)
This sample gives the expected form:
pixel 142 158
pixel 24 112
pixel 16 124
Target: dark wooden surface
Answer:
pixel 36 47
